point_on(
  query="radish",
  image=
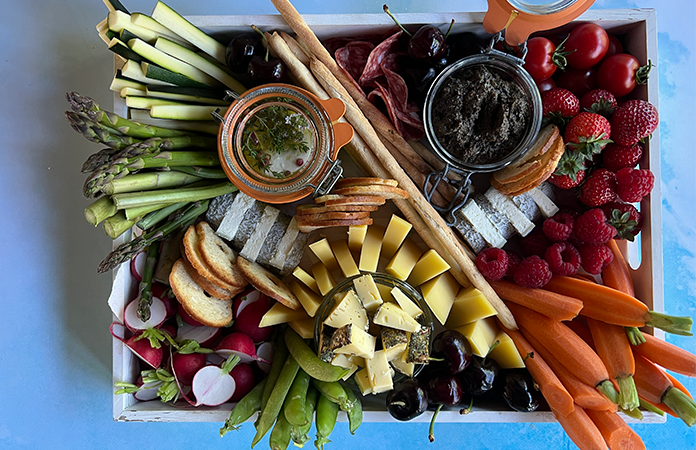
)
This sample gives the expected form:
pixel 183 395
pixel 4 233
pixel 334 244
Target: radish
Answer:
pixel 265 351
pixel 248 321
pixel 238 344
pixel 246 298
pixel 185 366
pixel 205 336
pixel 214 359
pixel 137 265
pixel 244 379
pixel 158 314
pixel 141 347
pixel 147 391
pixel 212 385
pixel 186 317
pixel 163 292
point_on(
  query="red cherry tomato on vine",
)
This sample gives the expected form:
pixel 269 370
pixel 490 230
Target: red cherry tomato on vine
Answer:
pixel 621 73
pixel 578 81
pixel 588 43
pixel 539 61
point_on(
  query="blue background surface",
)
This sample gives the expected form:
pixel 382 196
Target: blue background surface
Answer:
pixel 55 352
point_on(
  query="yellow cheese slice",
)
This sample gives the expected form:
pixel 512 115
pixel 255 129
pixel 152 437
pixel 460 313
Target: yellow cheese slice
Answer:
pixel 439 294
pixel 391 315
pixel 402 366
pixel 362 379
pixel 348 309
pixel 428 267
pixel 308 299
pixel 385 293
pixel 361 344
pixel 325 282
pixel 344 258
pixel 404 260
pixel 505 353
pixel 408 305
pixel 356 237
pixel 481 335
pixel 379 372
pixel 322 250
pixel 368 292
pixel 344 361
pixel 369 254
pixel 397 230
pixel 282 314
pixel 469 306
pixel 359 360
pixel 304 327
pixel 306 278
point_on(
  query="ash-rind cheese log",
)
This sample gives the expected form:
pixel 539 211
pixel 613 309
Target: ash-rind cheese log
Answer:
pixel 258 231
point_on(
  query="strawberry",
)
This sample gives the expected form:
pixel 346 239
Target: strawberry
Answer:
pixel 633 121
pixel 625 218
pixel 634 184
pixel 592 227
pixel 599 101
pixel 559 105
pixel 616 157
pixel 570 170
pixel 587 133
pixel 599 188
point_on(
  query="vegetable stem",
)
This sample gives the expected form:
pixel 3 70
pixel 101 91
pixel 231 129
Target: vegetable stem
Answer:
pixel 202 172
pixel 117 224
pixel 100 210
pixel 628 395
pixel 649 407
pixel 635 336
pixel 680 325
pixel 607 388
pixel 148 181
pixel 145 286
pixel 155 217
pixel 168 196
pixel 681 404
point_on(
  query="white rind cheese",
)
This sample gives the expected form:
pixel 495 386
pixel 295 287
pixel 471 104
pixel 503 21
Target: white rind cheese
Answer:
pixel 391 315
pixel 234 216
pixel 253 245
pixel 368 292
pixel 473 212
pixel 507 207
pixel 547 207
pixel 286 243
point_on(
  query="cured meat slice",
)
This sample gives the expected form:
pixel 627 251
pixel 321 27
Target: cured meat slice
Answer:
pixel 353 57
pixel 373 67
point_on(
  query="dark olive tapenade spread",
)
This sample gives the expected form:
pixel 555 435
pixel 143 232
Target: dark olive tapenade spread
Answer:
pixel 479 117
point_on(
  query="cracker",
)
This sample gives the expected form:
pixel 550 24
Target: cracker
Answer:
pixel 309 226
pixel 388 192
pixel 218 256
pixel 191 246
pixel 333 215
pixel 267 283
pixel 365 181
pixel 305 209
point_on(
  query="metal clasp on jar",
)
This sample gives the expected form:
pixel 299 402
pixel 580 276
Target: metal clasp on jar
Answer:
pixel 462 186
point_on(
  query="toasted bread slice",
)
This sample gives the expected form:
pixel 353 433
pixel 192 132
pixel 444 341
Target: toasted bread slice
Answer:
pixel 365 181
pixel 219 256
pixel 388 192
pixel 327 197
pixel 333 215
pixel 549 161
pixel 309 226
pixel 199 304
pixel 191 245
pixel 207 286
pixel 531 160
pixel 365 200
pixel 267 283
pixel 305 209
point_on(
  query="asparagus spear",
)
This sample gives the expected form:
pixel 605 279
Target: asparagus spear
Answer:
pixel 100 210
pixel 155 217
pixel 157 144
pixel 148 181
pixel 117 224
pixel 145 287
pixel 168 196
pixel 96 132
pixel 100 159
pixel 86 105
pixel 203 172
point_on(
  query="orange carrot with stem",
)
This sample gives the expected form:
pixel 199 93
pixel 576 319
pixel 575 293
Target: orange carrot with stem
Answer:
pixel 661 407
pixel 612 306
pixel 550 304
pixel 581 430
pixel 613 348
pixel 567 347
pixel 667 355
pixel 551 387
pixel 617 434
pixel 654 386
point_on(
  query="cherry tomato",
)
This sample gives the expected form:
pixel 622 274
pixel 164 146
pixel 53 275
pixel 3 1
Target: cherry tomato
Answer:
pixel 588 43
pixel 578 81
pixel 545 85
pixel 620 73
pixel 614 47
pixel 539 61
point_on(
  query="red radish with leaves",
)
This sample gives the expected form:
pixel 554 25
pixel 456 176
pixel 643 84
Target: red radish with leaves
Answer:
pixel 165 294
pixel 205 336
pixel 158 314
pixel 249 319
pixel 238 344
pixel 141 347
pixel 190 358
pixel 244 379
pixel 212 385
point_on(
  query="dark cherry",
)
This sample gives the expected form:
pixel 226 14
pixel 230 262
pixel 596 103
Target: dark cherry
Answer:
pixel 461 45
pixel 444 389
pixel 479 377
pixel 241 49
pixel 407 400
pixel 519 391
pixel 427 43
pixel 262 71
pixel 454 348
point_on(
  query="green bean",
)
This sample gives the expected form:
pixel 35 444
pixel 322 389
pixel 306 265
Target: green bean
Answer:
pixel 300 435
pixel 327 412
pixel 295 403
pixel 334 392
pixel 355 414
pixel 310 363
pixel 244 409
pixel 270 412
pixel 280 435
pixel 279 357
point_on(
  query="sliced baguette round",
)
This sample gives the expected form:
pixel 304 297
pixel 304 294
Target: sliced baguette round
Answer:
pixel 365 200
pixel 207 286
pixel 199 304
pixel 267 283
pixel 306 209
pixel 191 245
pixel 333 215
pixel 365 181
pixel 531 160
pixel 309 226
pixel 388 192
pixel 327 197
pixel 219 256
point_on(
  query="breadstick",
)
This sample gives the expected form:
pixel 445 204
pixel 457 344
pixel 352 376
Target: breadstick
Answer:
pixel 431 159
pixel 296 48
pixel 299 70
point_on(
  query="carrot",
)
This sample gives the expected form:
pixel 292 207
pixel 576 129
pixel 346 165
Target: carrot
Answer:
pixel 550 304
pixel 654 386
pixel 551 387
pixel 581 430
pixel 567 347
pixel 579 325
pixel 677 384
pixel 617 434
pixel 617 274
pixel 613 348
pixel 612 306
pixel 583 394
pixel 667 355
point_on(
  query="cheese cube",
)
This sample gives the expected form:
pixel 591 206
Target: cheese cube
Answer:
pixel 368 292
pixel 344 258
pixel 304 327
pixel 359 360
pixel 322 249
pixel 306 278
pixel 344 361
pixel 406 303
pixel 394 342
pixel 379 373
pixel 391 315
pixel 548 208
pixel 418 343
pixel 351 340
pixel 308 299
pixel 325 282
pixel 282 314
pixel 428 267
pixel 356 237
pixel 505 353
pixel 385 293
pixel 369 254
pixel 402 366
pixel 439 294
pixel 405 260
pixel 469 306
pixel 397 230
pixel 362 379
pixel 481 335
pixel 348 309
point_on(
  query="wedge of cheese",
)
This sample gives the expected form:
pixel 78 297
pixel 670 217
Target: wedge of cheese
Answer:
pixel 480 334
pixel 428 267
pixel 379 373
pixel 394 236
pixel 504 205
pixel 308 299
pixel 481 223
pixel 325 281
pixel 391 315
pixel 322 250
pixel 351 340
pixel 404 260
pixel 344 258
pixel 402 366
pixel 546 205
pixel 372 246
pixel 394 342
pixel 408 305
pixel 469 306
pixel 348 309
pixel 362 379
pixel 306 278
pixel 282 314
pixel 356 237
pixel 304 327
pixel 505 353
pixel 368 292
pixel 439 293
pixel 344 361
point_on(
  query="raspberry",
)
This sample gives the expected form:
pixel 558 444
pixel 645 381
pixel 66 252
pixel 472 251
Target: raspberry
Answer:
pixel 625 218
pixel 615 157
pixel 563 258
pixel 514 260
pixel 599 188
pixel 535 243
pixel 533 272
pixel 599 101
pixel 595 257
pixel 559 227
pixel 492 263
pixel 592 228
pixel 634 184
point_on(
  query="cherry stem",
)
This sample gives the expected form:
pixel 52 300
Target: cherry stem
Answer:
pixel 431 431
pixel 386 10
pixel 449 29
pixel 265 41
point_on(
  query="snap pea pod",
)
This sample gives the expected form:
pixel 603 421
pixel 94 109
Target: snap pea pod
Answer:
pixel 270 412
pixel 279 357
pixel 244 409
pixel 334 392
pixel 310 363
pixel 355 414
pixel 327 412
pixel 300 435
pixel 295 403
pixel 280 435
